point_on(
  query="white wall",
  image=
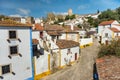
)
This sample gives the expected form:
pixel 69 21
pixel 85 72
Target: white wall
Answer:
pixel 64 54
pixel 115 34
pixel 115 26
pixel 85 41
pixel 23 20
pixel 63 36
pixel 110 34
pixel 101 29
pixel 70 36
pixel 21 66
pixel 36 35
pixel 41 63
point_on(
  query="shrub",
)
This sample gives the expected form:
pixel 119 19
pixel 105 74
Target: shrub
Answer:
pixel 112 49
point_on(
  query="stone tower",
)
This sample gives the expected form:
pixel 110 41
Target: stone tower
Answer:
pixel 70 12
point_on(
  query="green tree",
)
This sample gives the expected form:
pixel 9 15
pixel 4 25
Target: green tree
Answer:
pixel 108 15
pixel 70 17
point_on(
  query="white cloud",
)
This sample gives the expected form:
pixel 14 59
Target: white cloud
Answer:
pixel 15 15
pixel 82 7
pixel 23 11
pixel 62 13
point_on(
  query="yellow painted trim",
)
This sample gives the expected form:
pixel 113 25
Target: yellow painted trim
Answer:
pixel 113 35
pixel 48 61
pixel 83 46
pixel 72 62
pixel 66 65
pixel 34 64
pixel 39 76
pixel 59 58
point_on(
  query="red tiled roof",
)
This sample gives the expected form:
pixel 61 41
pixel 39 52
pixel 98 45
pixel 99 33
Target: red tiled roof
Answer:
pixel 10 23
pixel 53 33
pixel 68 29
pixel 62 44
pixel 53 28
pixel 38 27
pixel 114 29
pixel 107 22
pixel 35 41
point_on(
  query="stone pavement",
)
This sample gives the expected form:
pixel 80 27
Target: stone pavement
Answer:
pixel 82 69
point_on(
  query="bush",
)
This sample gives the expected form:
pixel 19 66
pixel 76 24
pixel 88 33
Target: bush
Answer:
pixel 111 49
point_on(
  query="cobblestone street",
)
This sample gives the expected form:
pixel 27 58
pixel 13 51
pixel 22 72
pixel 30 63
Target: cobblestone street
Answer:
pixel 82 69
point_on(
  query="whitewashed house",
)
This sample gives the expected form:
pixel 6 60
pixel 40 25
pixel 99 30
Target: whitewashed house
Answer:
pixel 63 38
pixel 15 51
pixel 106 24
pixel 70 33
pixel 110 34
pixel 41 55
pixel 108 30
pixel 69 52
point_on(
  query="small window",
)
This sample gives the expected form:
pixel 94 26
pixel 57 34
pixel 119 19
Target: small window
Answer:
pixel 5 69
pixel 106 34
pixel 68 51
pixel 13 50
pixel 12 35
pixel 41 35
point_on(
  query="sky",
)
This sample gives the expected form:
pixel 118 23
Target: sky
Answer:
pixel 40 8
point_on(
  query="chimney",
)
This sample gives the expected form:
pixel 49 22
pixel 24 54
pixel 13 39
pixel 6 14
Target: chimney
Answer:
pixel 72 27
pixel 33 27
pixel 42 24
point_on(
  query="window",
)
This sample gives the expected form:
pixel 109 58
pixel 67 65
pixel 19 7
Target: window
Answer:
pixel 5 69
pixel 41 35
pixel 13 50
pixel 106 34
pixel 69 51
pixel 12 35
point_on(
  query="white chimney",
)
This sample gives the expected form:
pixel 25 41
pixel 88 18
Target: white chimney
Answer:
pixel 72 26
pixel 42 24
pixel 33 27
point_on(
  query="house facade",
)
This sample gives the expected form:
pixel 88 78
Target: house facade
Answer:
pixel 15 51
pixel 108 30
pixel 69 52
pixel 41 55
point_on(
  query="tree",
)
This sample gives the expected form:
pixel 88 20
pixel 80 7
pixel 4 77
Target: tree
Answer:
pixel 70 17
pixel 108 15
pixel 93 22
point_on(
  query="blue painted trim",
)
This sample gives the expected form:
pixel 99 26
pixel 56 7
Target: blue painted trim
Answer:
pixel 29 78
pixel 31 53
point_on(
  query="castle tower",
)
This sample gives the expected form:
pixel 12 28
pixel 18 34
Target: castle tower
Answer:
pixel 70 12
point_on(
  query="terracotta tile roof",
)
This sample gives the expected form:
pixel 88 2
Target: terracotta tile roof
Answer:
pixel 11 23
pixel 106 22
pixel 35 41
pixel 68 29
pixel 62 44
pixel 53 33
pixel 118 37
pixel 114 29
pixel 53 28
pixel 38 27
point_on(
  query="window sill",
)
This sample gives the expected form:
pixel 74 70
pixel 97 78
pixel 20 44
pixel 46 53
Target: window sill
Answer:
pixel 17 54
pixel 13 39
